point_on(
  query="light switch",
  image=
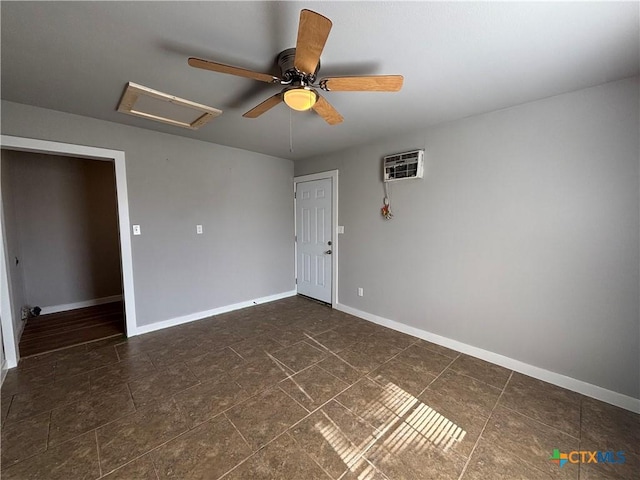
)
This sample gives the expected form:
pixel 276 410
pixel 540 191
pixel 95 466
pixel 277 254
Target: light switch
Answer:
pixel 199 229
pixel 136 229
pixel 340 228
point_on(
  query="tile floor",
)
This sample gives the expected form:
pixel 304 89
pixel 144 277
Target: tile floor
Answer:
pixel 295 390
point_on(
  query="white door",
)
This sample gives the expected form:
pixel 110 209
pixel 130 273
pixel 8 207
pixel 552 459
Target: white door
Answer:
pixel 314 239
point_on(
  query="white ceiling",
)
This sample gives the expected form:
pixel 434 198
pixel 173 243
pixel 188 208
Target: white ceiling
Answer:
pixel 458 59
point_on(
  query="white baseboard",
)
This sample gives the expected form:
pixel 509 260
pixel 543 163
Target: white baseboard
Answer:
pixel 192 317
pixel 83 304
pixel 588 389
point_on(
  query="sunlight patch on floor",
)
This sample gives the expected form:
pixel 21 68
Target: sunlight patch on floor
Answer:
pixel 407 423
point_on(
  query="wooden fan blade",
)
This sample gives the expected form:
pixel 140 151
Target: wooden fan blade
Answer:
pixel 376 83
pixel 326 111
pixel 313 31
pixel 240 72
pixel 268 104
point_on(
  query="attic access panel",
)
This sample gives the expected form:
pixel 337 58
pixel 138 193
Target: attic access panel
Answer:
pixel 145 102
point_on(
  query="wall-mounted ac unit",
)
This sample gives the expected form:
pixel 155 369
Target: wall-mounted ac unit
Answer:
pixel 403 166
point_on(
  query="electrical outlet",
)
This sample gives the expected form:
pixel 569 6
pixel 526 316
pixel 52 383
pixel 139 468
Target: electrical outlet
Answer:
pixel 360 292
pixel 199 229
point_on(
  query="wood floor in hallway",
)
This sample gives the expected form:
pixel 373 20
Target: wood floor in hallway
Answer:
pixel 73 327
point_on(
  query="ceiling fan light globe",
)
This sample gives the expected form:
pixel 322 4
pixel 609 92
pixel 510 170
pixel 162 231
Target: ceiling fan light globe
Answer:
pixel 300 99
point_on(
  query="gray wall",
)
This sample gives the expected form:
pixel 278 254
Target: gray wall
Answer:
pixel 11 235
pixel 522 239
pixel 67 223
pixel 242 198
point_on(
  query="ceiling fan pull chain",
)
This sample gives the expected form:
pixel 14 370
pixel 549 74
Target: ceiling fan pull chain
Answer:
pixel 290 131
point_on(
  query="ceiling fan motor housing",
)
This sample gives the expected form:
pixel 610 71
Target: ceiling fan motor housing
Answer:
pixel 290 73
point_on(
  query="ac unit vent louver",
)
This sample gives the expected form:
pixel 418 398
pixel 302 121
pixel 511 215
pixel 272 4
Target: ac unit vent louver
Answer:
pixel 403 166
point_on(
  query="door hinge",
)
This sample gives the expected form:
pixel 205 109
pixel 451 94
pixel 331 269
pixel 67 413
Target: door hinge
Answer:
pixel 296 281
pixel 295 238
pixel 295 194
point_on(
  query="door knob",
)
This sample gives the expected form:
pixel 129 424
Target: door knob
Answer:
pixel 328 252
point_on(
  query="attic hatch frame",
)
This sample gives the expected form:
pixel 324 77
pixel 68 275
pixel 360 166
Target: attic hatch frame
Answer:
pixel 134 92
pixel 22 144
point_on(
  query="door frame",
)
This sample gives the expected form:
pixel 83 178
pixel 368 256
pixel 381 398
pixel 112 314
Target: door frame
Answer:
pixel 8 142
pixel 333 176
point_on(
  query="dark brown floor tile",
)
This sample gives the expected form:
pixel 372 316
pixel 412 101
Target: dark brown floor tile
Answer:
pixel 403 453
pixel 140 469
pixel 257 376
pixel 361 362
pixel 5 404
pixel 431 361
pixel 24 380
pixel 312 387
pixel 206 400
pixel 96 409
pixel 300 356
pixel 215 364
pixel 531 441
pixel 609 424
pixel 129 368
pixel 252 328
pixel 364 470
pixel 339 368
pixel 612 469
pixel 334 437
pixel 600 436
pixel 86 362
pixel 278 319
pixel 355 325
pixel 133 435
pixel 395 339
pixel 411 378
pixel 374 348
pixel 45 399
pixel 255 348
pixel 377 405
pixel 178 352
pixel 208 451
pixel 289 336
pixel 24 439
pixel 479 369
pixel 488 461
pixel 76 459
pixel 220 340
pixel 477 396
pixel 318 325
pixel 409 438
pixel 544 402
pixel 265 416
pixel 434 347
pixel 130 348
pixel 160 385
pixel 280 460
pixel 107 342
pixel 447 424
pixel 335 341
pixel 51 357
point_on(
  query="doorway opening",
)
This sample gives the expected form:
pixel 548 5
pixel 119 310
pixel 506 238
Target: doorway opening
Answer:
pixel 120 253
pixel 61 222
pixel 316 236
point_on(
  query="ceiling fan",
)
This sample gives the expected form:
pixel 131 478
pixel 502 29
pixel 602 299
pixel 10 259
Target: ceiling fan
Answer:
pixel 299 69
